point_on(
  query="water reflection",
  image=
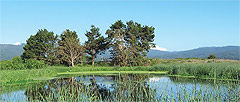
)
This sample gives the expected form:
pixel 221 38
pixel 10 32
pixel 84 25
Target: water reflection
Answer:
pixel 77 88
pixel 126 87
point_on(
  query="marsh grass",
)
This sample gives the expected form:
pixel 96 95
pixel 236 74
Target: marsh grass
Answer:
pixel 220 71
pixel 223 70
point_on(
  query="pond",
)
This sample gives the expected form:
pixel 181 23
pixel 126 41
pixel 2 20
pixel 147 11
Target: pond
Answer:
pixel 124 87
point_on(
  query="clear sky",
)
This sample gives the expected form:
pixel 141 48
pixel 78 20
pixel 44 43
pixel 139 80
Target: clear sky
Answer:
pixel 179 24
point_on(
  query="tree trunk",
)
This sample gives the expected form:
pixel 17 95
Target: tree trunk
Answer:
pixel 93 57
pixel 72 63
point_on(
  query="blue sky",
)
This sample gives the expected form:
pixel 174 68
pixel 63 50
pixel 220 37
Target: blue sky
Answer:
pixel 179 24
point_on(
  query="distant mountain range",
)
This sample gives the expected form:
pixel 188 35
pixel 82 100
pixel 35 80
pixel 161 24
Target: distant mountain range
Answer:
pixel 8 51
pixel 226 52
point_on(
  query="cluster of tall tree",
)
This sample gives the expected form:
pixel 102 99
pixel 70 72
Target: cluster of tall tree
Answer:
pixel 128 44
pixel 69 49
pixel 41 47
pixel 95 44
pixel 47 46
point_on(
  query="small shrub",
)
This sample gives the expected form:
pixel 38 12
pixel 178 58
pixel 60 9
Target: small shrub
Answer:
pixel 34 64
pixel 212 56
pixel 17 63
pixel 6 65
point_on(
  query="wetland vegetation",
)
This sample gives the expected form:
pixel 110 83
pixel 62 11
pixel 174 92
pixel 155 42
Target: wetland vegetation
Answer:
pixel 59 68
pixel 194 80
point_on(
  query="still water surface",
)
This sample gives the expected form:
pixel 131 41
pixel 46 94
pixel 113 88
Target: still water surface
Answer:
pixel 163 87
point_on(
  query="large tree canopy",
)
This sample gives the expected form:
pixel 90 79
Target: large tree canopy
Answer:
pixel 116 35
pixel 95 43
pixel 69 48
pixel 130 43
pixel 41 46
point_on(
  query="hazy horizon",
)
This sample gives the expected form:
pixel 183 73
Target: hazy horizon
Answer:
pixel 161 49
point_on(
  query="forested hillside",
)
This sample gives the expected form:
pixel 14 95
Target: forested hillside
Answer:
pixel 8 51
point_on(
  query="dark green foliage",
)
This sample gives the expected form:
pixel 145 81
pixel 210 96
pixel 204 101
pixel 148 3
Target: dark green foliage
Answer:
pixel 18 64
pixel 6 65
pixel 116 35
pixel 95 43
pixel 34 64
pixel 69 49
pixel 130 43
pixel 212 56
pixel 41 47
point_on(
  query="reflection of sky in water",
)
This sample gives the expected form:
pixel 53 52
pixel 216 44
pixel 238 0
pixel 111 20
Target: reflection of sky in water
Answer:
pixel 106 81
pixel 15 96
pixel 99 79
pixel 163 85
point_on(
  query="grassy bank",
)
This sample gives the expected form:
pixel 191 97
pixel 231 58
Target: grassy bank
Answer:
pixel 18 76
pixel 220 70
pixel 115 72
pixel 223 70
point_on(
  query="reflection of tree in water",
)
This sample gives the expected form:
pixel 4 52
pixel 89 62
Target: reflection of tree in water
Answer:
pixel 63 89
pixel 35 92
pixel 127 88
pixel 133 87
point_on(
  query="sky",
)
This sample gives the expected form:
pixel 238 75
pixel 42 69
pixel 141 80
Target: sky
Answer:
pixel 179 24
